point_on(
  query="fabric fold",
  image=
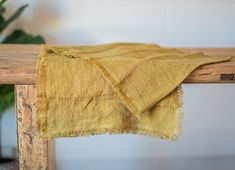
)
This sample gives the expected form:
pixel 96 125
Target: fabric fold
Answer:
pixel 113 88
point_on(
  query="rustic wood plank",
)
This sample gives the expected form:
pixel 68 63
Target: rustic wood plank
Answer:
pixel 51 155
pixel 34 152
pixel 18 62
pixel 213 73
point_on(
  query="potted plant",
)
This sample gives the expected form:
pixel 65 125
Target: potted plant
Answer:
pixel 17 36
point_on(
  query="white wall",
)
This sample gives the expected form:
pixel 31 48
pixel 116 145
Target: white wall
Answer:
pixel 208 124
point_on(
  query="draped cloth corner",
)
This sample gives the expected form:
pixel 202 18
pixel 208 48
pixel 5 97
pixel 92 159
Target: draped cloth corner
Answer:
pixel 113 88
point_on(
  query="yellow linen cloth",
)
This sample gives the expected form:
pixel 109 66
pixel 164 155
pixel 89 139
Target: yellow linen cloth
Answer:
pixel 113 88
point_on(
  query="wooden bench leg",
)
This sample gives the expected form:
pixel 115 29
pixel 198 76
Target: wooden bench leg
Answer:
pixel 34 152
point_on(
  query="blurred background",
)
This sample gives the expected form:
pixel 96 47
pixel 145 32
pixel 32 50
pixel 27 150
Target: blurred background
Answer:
pixel 208 136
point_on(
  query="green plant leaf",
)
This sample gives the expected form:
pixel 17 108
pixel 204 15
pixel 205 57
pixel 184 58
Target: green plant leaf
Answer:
pixel 3 25
pixel 16 37
pixel 6 97
pixel 2 2
pixel 1 18
pixel 2 10
pixel 20 37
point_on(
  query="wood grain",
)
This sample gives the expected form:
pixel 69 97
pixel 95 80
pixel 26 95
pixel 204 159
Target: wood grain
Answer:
pixel 18 64
pixel 34 152
pixel 213 73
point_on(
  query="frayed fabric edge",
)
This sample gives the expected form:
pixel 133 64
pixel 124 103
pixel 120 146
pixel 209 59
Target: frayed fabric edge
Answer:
pixel 40 89
pixel 108 131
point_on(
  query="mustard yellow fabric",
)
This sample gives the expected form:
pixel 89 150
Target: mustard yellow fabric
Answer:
pixel 113 88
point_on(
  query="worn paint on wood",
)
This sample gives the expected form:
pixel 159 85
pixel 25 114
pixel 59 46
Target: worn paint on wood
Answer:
pixel 34 152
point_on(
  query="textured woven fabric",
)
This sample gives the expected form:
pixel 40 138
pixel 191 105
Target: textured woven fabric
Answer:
pixel 113 88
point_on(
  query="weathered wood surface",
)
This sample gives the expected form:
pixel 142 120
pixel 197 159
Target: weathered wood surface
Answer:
pixel 18 64
pixel 213 73
pixel 35 153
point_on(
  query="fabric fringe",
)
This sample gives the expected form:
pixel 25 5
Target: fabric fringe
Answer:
pixel 111 131
pixel 41 64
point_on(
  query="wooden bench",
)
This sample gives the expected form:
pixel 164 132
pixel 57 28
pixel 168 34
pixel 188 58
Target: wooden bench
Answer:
pixel 18 65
